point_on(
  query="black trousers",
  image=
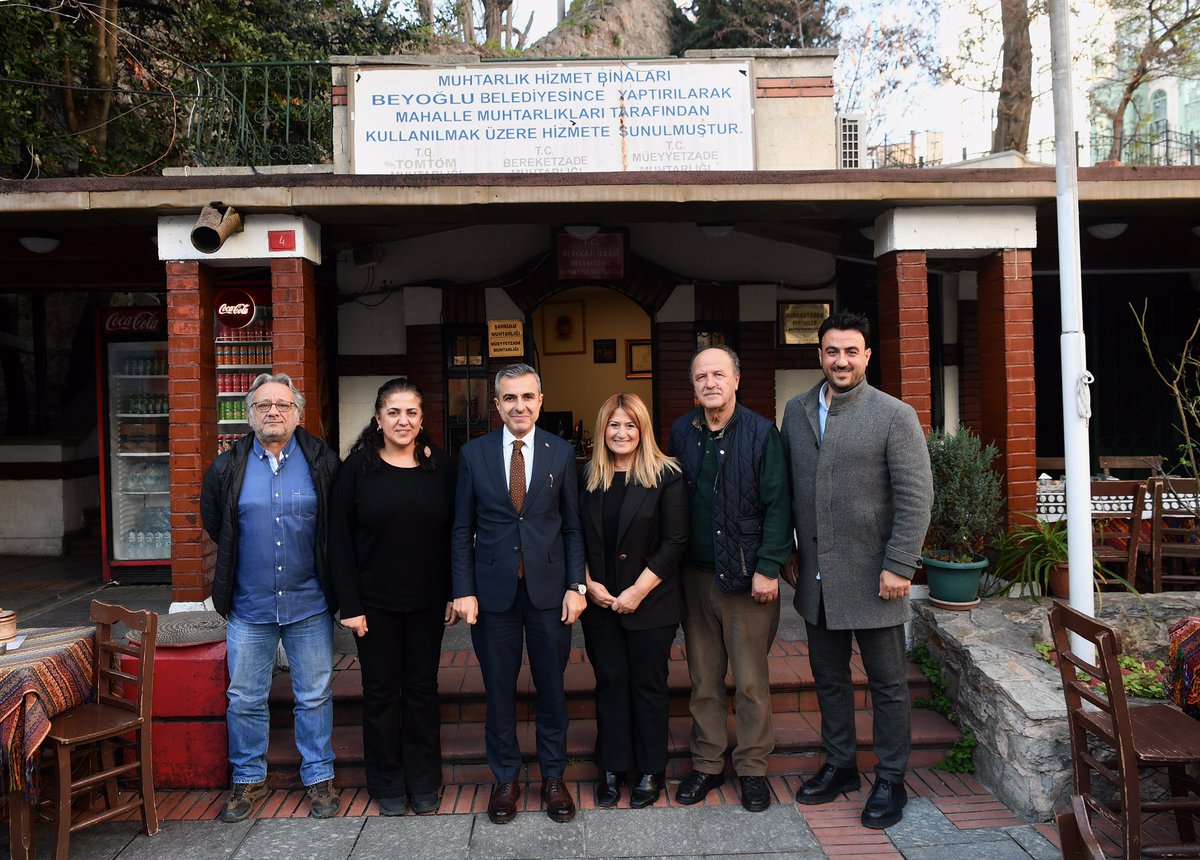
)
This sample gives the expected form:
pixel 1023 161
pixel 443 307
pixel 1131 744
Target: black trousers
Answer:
pixel 402 746
pixel 883 657
pixel 631 691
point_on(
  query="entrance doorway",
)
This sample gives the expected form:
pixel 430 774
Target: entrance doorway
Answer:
pixel 590 343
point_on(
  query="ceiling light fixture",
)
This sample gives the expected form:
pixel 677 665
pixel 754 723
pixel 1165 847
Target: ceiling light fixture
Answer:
pixel 39 244
pixel 1110 230
pixel 582 231
pixel 716 230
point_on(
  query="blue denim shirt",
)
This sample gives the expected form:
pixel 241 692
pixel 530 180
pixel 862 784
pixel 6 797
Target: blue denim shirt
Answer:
pixel 276 578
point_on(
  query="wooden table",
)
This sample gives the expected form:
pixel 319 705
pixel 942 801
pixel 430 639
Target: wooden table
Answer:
pixel 51 672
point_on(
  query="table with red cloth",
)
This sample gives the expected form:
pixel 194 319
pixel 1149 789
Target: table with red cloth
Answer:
pixel 49 673
pixel 1184 665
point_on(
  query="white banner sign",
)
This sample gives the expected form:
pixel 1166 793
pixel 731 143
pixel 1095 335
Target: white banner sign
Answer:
pixel 578 118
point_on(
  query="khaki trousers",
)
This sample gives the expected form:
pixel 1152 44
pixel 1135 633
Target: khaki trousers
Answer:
pixel 728 632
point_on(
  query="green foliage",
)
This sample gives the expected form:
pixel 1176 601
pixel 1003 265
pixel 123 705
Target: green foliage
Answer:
pixel 1027 554
pixel 1142 678
pixel 141 114
pixel 966 495
pixel 588 28
pixel 960 757
pixel 763 24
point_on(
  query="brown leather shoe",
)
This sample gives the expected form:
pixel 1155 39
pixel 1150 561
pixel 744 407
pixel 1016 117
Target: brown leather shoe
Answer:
pixel 560 806
pixel 502 807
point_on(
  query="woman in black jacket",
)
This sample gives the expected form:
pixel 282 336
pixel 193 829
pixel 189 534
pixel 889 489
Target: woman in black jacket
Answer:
pixel 635 525
pixel 389 552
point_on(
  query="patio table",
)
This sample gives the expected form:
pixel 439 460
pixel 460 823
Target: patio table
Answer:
pixel 51 672
pixel 1052 503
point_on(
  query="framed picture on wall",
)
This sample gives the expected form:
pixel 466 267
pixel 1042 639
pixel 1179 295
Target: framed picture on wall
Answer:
pixel 562 328
pixel 604 351
pixel 798 322
pixel 639 360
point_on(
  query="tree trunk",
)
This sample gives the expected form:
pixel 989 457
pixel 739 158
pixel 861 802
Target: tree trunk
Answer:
pixel 1016 83
pixel 467 16
pixel 103 74
pixel 425 10
pixel 493 26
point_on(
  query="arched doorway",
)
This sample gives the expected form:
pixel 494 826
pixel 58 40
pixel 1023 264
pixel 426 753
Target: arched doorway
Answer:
pixel 590 343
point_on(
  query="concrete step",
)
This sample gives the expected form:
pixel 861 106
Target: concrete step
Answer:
pixel 797 749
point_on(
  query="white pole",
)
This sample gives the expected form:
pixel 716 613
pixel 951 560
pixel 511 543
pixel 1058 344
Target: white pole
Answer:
pixel 1075 378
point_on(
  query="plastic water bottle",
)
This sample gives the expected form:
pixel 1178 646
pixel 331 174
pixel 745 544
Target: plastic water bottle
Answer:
pixel 140 550
pixel 130 544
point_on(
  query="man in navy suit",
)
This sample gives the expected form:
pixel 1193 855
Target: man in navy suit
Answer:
pixel 518 572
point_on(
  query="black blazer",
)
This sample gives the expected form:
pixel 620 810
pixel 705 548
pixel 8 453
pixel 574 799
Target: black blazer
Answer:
pixel 653 533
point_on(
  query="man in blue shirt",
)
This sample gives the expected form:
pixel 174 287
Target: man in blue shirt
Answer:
pixel 265 504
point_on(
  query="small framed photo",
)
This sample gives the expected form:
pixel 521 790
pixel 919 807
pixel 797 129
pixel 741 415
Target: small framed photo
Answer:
pixel 562 328
pixel 798 322
pixel 604 351
pixel 639 359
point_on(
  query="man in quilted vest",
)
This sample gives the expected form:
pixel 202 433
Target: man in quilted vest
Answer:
pixel 741 533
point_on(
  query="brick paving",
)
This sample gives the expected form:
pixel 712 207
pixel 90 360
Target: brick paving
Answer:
pixel 964 802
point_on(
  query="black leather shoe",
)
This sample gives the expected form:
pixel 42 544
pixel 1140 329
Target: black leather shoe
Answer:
pixel 697 784
pixel 647 790
pixel 756 795
pixel 885 806
pixel 560 806
pixel 502 806
pixel 829 782
pixel 427 803
pixel 608 789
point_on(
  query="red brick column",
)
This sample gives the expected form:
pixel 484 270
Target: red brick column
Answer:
pixel 1006 386
pixel 903 337
pixel 192 389
pixel 294 308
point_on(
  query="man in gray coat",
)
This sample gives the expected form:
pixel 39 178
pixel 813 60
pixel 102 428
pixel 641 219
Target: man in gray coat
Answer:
pixel 861 496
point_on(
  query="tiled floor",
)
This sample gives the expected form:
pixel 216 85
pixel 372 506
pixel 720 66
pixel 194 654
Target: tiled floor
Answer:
pixel 961 798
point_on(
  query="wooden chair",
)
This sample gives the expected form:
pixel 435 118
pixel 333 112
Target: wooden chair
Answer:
pixel 1142 737
pixel 1153 463
pixel 1051 465
pixel 121 708
pixel 1117 508
pixel 1175 533
pixel 1075 832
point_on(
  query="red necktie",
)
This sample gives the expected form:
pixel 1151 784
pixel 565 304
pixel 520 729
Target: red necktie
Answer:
pixel 516 491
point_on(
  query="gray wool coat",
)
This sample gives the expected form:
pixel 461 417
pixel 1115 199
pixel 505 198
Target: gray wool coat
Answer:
pixel 861 499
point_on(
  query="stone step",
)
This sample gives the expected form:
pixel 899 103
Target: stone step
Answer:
pixel 460 687
pixel 797 748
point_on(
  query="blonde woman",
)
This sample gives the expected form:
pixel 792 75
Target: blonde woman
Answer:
pixel 635 525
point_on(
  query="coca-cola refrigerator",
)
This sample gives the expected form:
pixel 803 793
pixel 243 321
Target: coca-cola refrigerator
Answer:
pixel 135 483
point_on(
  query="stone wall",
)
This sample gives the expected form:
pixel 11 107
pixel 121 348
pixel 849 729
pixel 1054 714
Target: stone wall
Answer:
pixel 1013 700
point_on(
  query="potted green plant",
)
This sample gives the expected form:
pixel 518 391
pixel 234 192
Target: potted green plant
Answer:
pixel 1032 557
pixel 966 510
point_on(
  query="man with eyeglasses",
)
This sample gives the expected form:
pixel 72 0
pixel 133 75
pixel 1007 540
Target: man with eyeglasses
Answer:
pixel 265 504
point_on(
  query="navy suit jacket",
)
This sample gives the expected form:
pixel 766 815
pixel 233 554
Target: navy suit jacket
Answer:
pixel 488 534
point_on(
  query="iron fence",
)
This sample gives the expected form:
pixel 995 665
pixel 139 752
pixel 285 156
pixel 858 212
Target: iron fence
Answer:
pixel 1165 147
pixel 262 114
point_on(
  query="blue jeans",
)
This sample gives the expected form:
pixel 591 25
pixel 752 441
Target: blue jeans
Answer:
pixel 251 656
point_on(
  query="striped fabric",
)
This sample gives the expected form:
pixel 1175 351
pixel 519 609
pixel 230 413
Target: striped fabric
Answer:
pixel 1184 665
pixel 51 672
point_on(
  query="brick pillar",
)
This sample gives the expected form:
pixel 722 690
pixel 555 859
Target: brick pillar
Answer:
pixel 192 389
pixel 903 337
pixel 1006 387
pixel 294 309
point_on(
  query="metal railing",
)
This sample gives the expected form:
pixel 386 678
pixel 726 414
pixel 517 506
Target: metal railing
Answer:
pixel 262 114
pixel 1165 147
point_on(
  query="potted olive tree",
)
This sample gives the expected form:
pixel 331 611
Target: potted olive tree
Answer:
pixel 966 511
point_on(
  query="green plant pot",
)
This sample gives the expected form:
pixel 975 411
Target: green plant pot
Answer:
pixel 954 584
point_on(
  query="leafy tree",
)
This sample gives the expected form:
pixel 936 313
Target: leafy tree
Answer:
pixel 764 24
pixel 1152 39
pixel 106 87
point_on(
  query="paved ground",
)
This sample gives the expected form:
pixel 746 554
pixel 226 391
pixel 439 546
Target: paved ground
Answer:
pixel 947 817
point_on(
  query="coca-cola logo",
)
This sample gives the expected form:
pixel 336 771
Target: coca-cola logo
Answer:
pixel 235 308
pixel 133 320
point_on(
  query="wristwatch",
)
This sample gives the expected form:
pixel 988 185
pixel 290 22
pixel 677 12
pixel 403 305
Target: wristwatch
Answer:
pixel 578 588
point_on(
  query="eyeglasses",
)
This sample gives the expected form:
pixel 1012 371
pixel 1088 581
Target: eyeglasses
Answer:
pixel 264 406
